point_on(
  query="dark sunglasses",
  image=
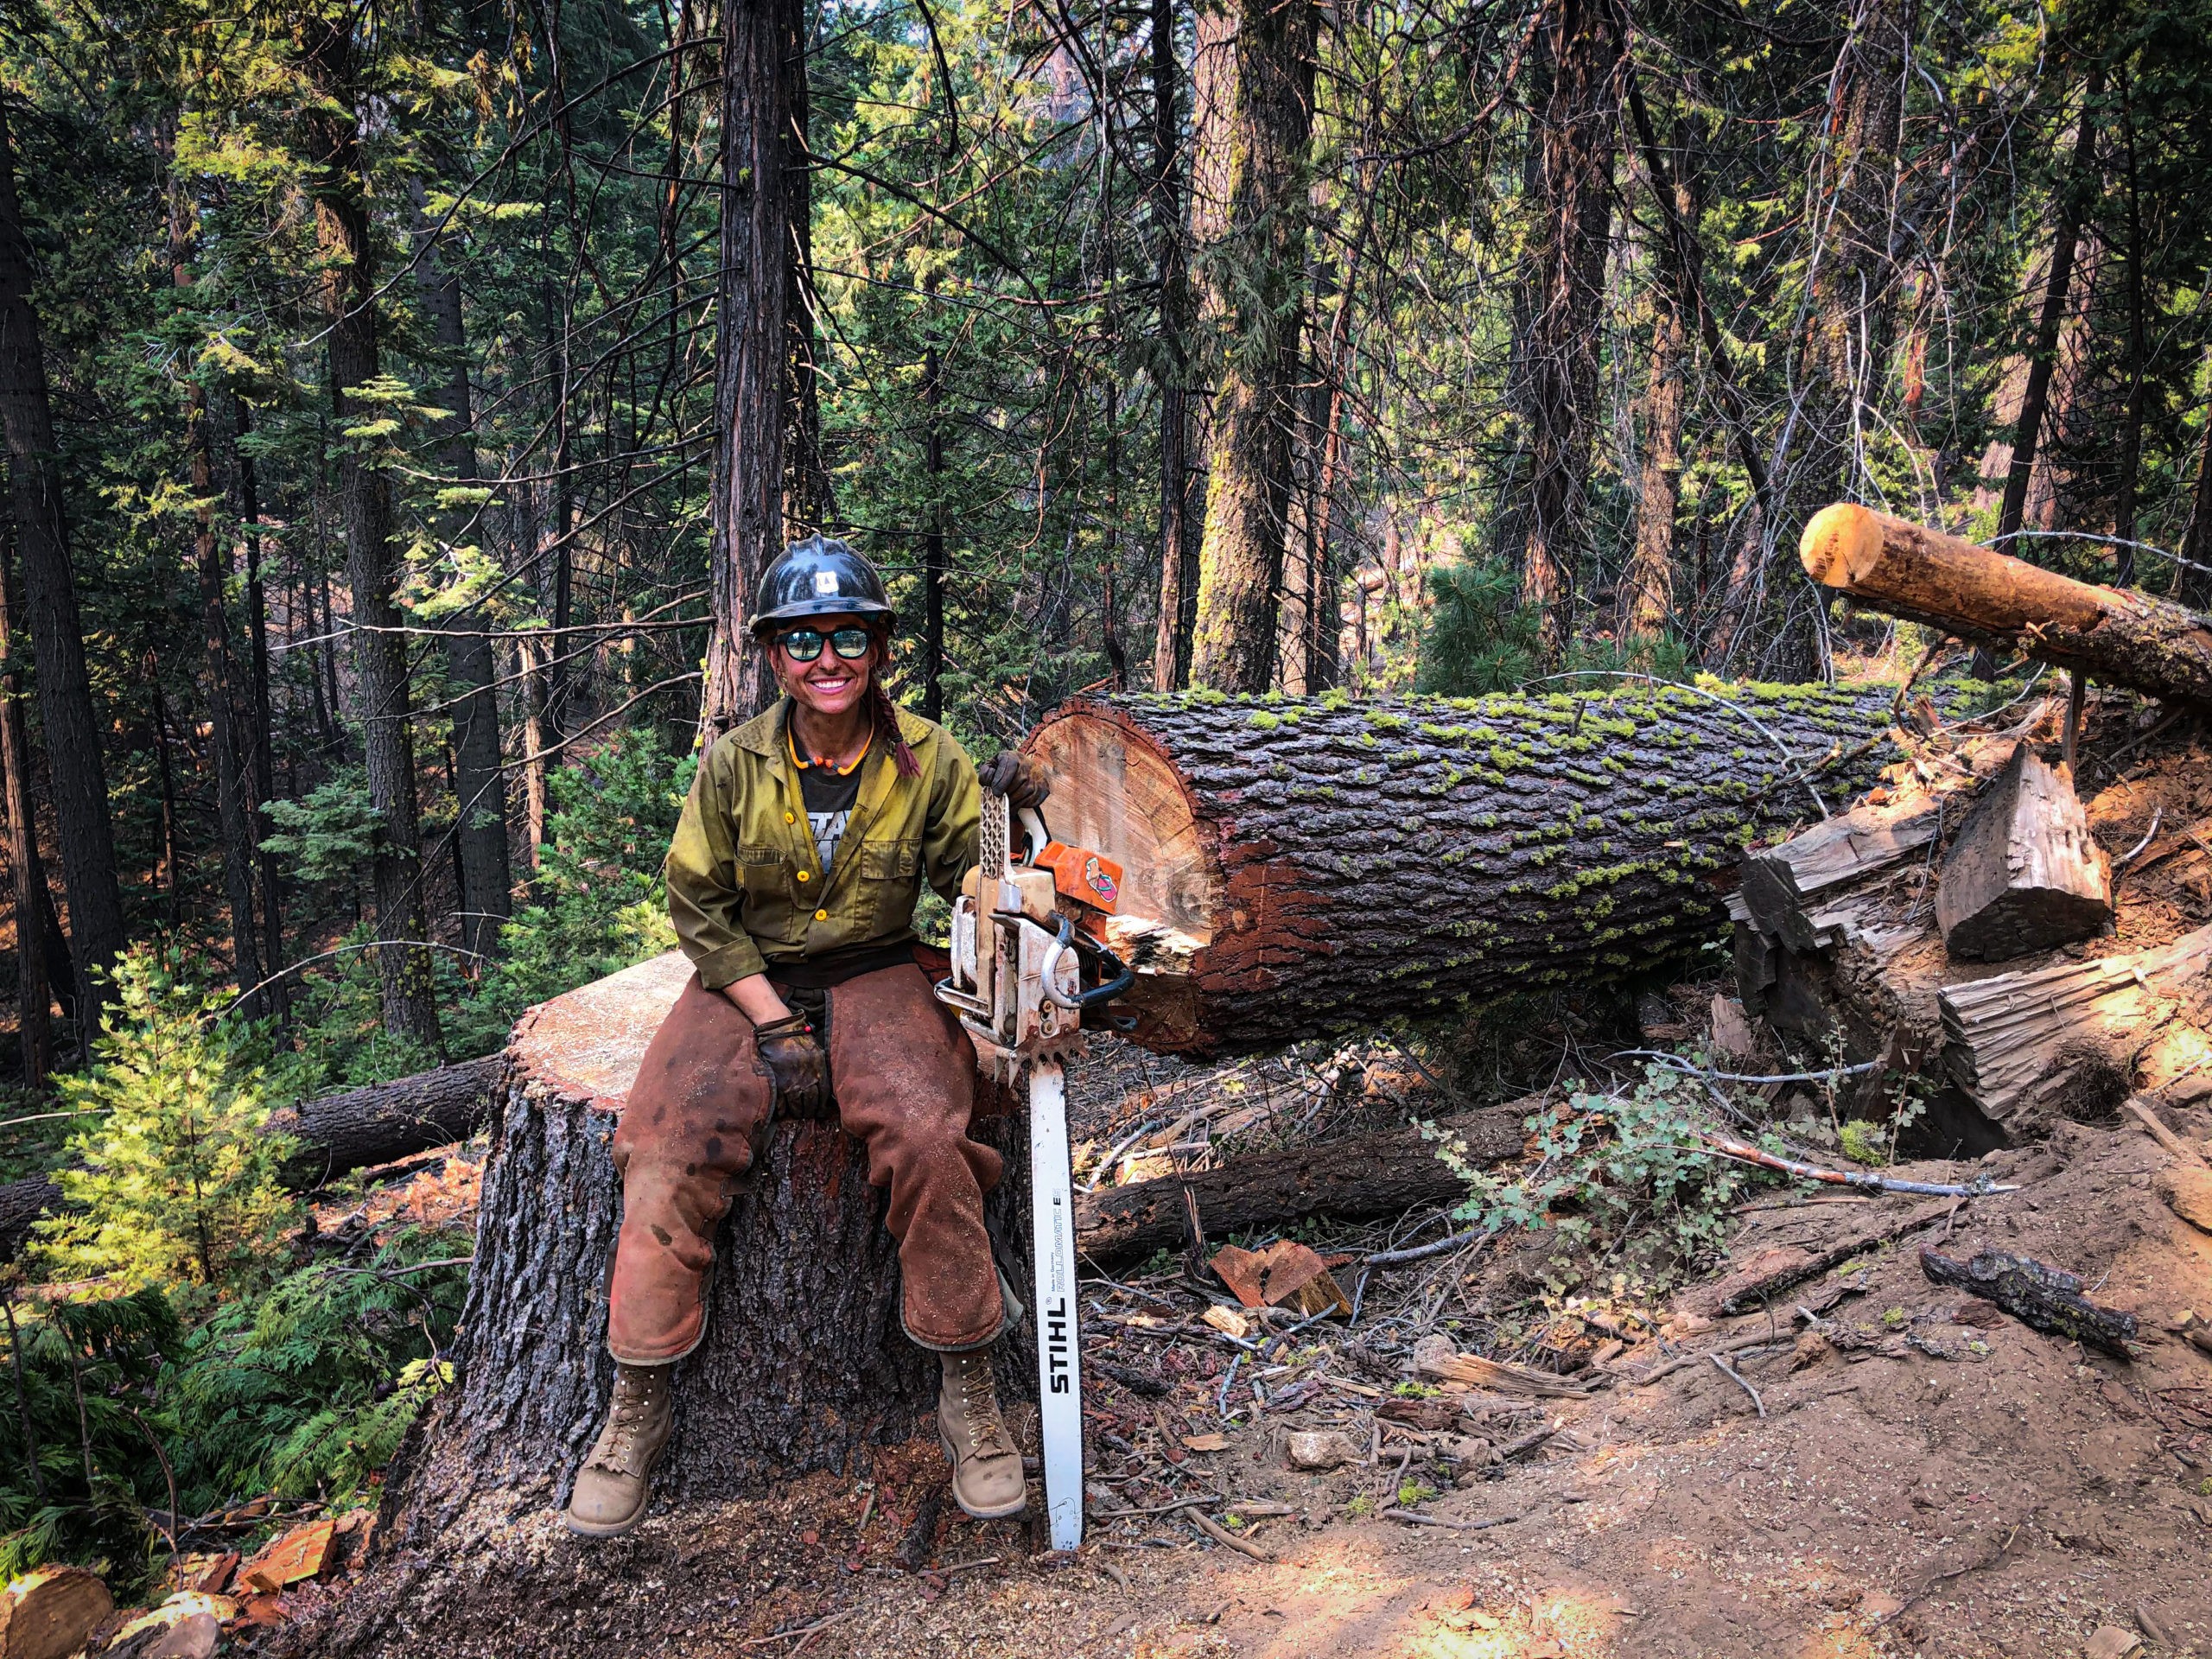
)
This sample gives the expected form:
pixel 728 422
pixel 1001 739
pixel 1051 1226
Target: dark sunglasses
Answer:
pixel 804 645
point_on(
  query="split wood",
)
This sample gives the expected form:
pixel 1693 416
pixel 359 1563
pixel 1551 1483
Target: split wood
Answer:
pixel 1737 1377
pixel 1415 1518
pixel 2165 1137
pixel 1222 1534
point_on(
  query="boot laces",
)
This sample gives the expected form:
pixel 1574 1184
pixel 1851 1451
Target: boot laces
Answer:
pixel 636 1394
pixel 979 1405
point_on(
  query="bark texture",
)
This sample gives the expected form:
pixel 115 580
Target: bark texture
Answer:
pixel 752 353
pixel 804 1364
pixel 1178 543
pixel 371 556
pixel 1556 358
pixel 26 869
pixel 1384 1174
pixel 2114 636
pixel 68 722
pixel 1294 867
pixel 1255 278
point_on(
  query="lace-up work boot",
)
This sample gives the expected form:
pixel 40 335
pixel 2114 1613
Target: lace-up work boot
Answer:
pixel 617 1478
pixel 987 1478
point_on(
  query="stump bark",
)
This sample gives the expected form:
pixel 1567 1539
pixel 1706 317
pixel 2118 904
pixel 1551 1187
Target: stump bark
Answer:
pixel 1294 867
pixel 803 1365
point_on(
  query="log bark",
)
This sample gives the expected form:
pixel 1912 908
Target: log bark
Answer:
pixel 2036 1294
pixel 1294 867
pixel 355 1129
pixel 803 1365
pixel 2116 637
pixel 2024 875
pixel 1373 1175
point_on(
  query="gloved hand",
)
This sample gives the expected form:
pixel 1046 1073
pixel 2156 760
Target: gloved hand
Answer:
pixel 1020 780
pixel 793 1056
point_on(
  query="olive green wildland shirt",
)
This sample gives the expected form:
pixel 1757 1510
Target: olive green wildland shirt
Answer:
pixel 745 887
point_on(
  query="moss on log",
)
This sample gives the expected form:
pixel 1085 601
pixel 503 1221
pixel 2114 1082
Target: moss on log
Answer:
pixel 1295 867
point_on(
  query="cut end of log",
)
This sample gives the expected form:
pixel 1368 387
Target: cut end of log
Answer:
pixel 1840 544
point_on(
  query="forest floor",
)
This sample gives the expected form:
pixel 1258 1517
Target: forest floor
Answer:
pixel 1939 1479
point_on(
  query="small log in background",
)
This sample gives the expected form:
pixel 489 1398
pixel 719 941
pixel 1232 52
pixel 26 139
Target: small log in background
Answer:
pixel 1295 867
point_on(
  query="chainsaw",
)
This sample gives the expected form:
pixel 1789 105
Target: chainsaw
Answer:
pixel 1021 928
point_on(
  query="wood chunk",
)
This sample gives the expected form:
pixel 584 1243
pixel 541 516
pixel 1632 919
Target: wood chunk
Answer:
pixel 1285 1275
pixel 2186 1191
pixel 1762 1276
pixel 49 1613
pixel 1320 1450
pixel 1733 1040
pixel 2054 1040
pixel 1477 1372
pixel 299 1554
pixel 1781 883
pixel 2044 1297
pixel 2024 875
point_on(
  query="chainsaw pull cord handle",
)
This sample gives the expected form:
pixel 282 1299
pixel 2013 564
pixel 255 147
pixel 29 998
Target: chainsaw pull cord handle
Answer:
pixel 1124 976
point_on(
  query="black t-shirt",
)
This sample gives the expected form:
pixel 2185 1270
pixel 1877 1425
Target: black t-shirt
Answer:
pixel 829 797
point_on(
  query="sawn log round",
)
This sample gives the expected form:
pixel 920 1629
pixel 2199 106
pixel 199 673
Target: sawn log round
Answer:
pixel 1294 867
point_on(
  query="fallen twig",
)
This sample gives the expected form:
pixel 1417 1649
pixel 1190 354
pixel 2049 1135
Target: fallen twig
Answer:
pixel 806 1632
pixel 1159 1508
pixel 1735 1346
pixel 1743 1152
pixel 1416 1518
pixel 1222 1534
pixel 1737 1377
pixel 1422 1252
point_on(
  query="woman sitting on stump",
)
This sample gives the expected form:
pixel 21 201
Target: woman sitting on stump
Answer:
pixel 792 882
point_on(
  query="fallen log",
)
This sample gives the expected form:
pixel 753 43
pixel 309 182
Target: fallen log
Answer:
pixel 2115 636
pixel 1293 868
pixel 1764 1275
pixel 2024 875
pixel 1373 1175
pixel 354 1129
pixel 2037 1295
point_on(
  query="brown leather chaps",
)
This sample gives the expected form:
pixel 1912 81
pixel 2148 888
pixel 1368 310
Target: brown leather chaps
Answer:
pixel 904 1075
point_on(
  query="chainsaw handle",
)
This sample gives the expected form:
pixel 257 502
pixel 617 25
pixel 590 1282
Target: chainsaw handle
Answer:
pixel 1032 825
pixel 1124 976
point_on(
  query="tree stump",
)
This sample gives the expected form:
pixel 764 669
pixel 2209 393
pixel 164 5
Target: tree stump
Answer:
pixel 803 1365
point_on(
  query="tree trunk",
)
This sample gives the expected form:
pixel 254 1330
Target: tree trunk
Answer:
pixel 933 565
pixel 1295 869
pixel 1255 279
pixel 2115 636
pixel 235 809
pixel 34 996
pixel 803 1366
pixel 2130 460
pixel 69 723
pixel 1557 362
pixel 372 560
pixel 1850 302
pixel 1179 544
pixel 479 785
pixel 267 875
pixel 1647 587
pixel 2193 578
pixel 810 503
pixel 752 354
pixel 2066 210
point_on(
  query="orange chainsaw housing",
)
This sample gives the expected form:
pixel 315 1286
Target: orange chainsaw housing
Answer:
pixel 1085 877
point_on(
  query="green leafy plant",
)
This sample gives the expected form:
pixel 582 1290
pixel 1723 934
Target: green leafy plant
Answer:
pixel 328 836
pixel 178 1177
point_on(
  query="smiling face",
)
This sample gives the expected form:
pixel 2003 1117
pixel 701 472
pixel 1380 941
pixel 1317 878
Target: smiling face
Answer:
pixel 829 685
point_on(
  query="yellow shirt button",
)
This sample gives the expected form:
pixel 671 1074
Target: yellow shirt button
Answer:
pixel 804 876
pixel 789 818
pixel 820 915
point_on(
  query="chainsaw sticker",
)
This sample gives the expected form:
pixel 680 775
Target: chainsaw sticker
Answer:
pixel 1099 881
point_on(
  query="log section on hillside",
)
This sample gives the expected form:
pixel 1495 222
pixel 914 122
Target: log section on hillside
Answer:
pixel 1295 867
pixel 2113 635
pixel 1383 1174
pixel 2023 874
pixel 337 1134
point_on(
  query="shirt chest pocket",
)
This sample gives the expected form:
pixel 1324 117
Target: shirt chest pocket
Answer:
pixel 889 872
pixel 765 872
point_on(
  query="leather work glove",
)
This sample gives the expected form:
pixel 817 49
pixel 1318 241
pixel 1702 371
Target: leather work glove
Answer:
pixel 1020 780
pixel 793 1056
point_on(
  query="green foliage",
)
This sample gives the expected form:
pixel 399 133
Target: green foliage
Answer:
pixel 1480 637
pixel 1625 1170
pixel 329 835
pixel 1862 1141
pixel 179 1183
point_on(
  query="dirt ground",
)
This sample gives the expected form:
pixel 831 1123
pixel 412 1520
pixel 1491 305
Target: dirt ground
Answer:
pixel 1943 1489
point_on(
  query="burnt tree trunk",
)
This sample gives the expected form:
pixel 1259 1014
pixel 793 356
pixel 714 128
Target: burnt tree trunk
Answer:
pixel 1293 868
pixel 804 1364
pixel 34 996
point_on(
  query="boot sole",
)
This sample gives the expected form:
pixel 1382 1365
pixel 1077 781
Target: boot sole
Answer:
pixel 1021 1505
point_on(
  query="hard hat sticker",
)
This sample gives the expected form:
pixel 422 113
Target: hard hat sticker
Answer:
pixel 825 582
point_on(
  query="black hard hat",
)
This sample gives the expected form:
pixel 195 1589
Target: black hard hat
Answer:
pixel 819 576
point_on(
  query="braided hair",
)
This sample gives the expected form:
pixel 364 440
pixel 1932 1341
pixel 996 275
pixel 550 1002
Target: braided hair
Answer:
pixel 885 711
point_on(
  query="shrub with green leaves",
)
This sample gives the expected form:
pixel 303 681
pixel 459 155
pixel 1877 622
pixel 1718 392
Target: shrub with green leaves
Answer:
pixel 178 1176
pixel 1481 637
pixel 1625 1169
